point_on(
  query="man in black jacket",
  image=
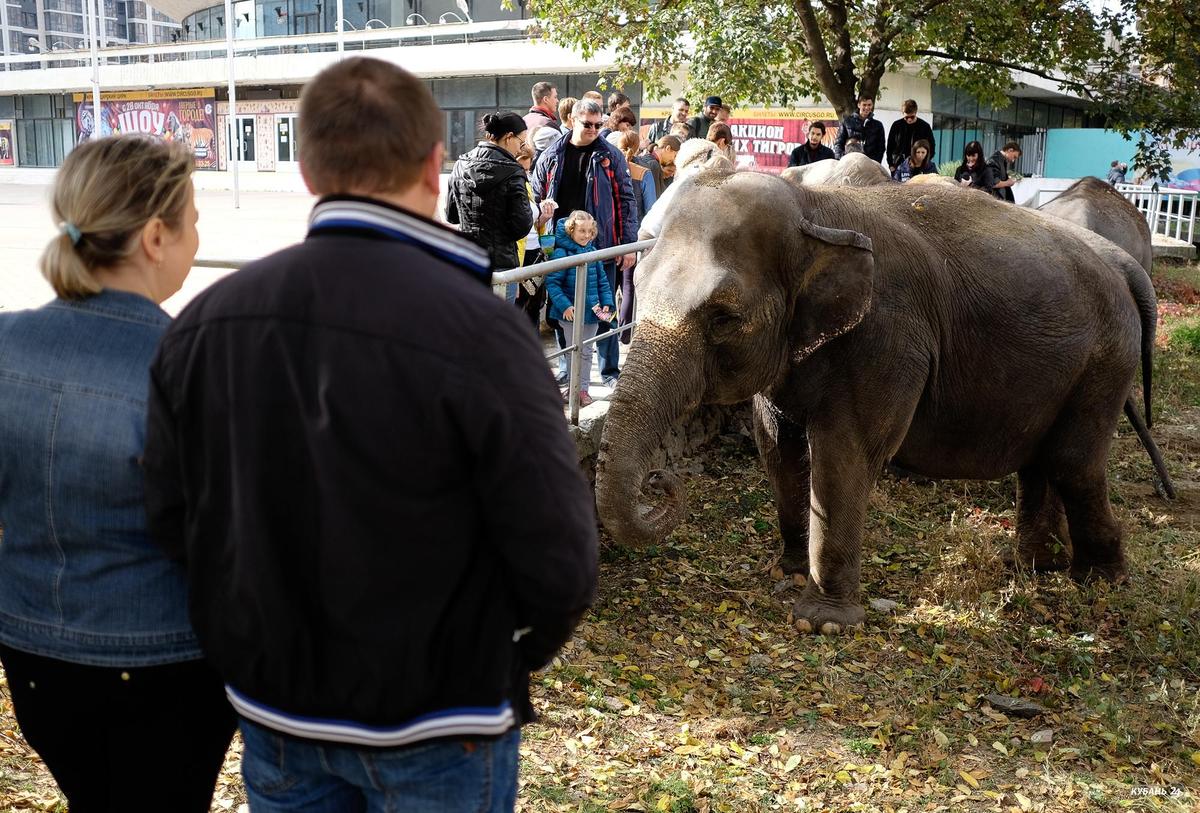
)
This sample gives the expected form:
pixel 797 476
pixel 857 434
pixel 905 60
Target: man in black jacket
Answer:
pixel 361 456
pixel 999 163
pixel 905 132
pixel 813 150
pixel 863 127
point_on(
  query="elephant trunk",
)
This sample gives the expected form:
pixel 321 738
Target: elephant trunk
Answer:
pixel 662 381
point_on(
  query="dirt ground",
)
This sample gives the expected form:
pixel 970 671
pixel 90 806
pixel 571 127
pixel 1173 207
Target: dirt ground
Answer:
pixel 686 688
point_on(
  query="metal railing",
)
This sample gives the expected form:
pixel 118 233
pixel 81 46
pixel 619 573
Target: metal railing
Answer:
pixel 518 275
pixel 269 45
pixel 580 263
pixel 1169 212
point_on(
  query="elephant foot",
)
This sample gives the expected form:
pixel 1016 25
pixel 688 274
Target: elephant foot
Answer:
pixel 792 562
pixel 1040 559
pixel 1113 572
pixel 813 614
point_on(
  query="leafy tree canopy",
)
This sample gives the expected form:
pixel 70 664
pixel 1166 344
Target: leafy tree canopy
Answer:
pixel 1138 64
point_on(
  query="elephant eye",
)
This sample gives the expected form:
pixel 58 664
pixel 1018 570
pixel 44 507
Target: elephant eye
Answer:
pixel 723 323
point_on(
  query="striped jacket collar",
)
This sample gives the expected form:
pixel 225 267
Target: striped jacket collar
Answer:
pixel 350 213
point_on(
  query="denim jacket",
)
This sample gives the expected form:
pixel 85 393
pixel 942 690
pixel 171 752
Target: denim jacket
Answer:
pixel 80 580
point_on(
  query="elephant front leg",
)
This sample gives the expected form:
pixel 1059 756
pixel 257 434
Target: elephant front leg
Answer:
pixel 841 489
pixel 1043 538
pixel 783 447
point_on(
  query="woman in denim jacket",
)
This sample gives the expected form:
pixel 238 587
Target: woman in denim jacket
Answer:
pixel 107 679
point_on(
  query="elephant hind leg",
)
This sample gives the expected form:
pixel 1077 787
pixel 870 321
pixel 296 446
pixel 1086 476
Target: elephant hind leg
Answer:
pixel 1076 466
pixel 783 447
pixel 1097 549
pixel 1043 535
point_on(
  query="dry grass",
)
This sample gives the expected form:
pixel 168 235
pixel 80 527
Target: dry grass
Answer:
pixel 685 689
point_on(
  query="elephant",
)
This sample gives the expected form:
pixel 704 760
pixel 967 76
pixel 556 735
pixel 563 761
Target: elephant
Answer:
pixel 957 335
pixel 853 169
pixel 1098 207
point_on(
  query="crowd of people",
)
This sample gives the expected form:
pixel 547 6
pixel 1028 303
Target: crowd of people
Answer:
pixel 566 158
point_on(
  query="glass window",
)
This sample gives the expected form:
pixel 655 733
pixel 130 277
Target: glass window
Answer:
pixel 432 10
pixel 1041 115
pixel 514 90
pixel 473 91
pixel 966 105
pixel 37 107
pixel 272 17
pixel 462 130
pixel 8 107
pixel 485 10
pixel 942 98
pixel 1025 112
pixel 1056 116
pixel 580 83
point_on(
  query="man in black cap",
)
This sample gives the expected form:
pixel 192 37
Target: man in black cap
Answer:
pixel 701 123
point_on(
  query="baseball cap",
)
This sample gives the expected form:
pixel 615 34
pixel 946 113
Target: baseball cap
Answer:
pixel 713 100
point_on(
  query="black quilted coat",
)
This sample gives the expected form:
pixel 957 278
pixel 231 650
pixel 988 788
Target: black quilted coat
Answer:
pixel 486 196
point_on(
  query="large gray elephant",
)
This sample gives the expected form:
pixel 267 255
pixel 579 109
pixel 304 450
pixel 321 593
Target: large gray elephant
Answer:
pixel 1098 207
pixel 958 335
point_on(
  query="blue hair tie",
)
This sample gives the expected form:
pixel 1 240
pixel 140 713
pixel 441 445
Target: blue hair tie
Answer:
pixel 72 231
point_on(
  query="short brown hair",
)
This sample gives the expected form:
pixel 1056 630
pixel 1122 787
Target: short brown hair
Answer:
pixel 669 142
pixel 617 99
pixel 594 95
pixel 541 90
pixel 1012 145
pixel 367 125
pixel 104 195
pixel 565 106
pixel 619 116
pixel 720 130
pixel 909 107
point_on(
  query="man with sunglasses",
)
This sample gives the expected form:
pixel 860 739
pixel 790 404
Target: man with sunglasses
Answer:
pixel 583 171
pixel 905 132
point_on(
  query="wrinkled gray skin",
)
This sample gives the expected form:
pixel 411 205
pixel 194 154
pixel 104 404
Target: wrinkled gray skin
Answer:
pixel 1096 206
pixel 854 169
pixel 958 335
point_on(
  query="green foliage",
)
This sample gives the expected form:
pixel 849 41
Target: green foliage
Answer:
pixel 1187 335
pixel 948 168
pixel 1122 59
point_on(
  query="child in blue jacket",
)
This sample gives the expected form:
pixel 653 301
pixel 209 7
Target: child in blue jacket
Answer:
pixel 575 235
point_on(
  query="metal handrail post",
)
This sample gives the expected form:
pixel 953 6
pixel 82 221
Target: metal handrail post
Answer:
pixel 577 344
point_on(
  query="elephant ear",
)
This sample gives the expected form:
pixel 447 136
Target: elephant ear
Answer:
pixel 834 290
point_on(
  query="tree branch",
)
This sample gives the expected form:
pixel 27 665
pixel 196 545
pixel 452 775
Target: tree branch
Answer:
pixel 1000 63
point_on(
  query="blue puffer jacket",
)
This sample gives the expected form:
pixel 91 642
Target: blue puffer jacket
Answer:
pixel 560 286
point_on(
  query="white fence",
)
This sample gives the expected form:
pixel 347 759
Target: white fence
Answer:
pixel 1169 212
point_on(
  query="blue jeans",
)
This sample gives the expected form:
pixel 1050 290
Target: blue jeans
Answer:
pixel 467 776
pixel 609 349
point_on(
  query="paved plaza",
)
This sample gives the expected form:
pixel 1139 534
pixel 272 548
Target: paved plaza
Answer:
pixel 266 221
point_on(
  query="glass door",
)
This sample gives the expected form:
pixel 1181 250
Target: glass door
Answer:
pixel 287 148
pixel 244 139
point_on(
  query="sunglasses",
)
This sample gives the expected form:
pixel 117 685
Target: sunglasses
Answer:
pixel 589 125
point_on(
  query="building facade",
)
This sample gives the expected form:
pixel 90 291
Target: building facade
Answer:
pixel 170 77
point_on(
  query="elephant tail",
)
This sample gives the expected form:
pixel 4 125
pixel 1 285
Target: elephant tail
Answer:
pixel 1142 290
pixel 1143 433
